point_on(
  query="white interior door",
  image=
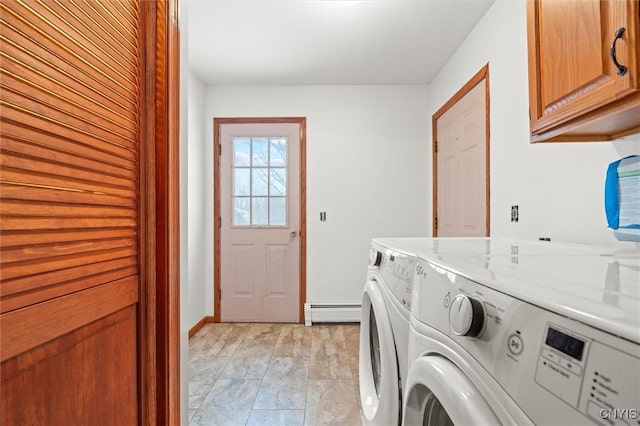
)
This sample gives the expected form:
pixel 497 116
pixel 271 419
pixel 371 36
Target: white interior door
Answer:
pixel 259 201
pixel 462 167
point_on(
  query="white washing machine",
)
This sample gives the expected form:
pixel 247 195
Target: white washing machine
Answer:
pixel 384 328
pixel 524 333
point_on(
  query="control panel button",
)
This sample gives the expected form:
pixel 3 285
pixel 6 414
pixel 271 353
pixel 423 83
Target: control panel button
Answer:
pixel 550 356
pixel 447 300
pixel 515 344
pixel 571 366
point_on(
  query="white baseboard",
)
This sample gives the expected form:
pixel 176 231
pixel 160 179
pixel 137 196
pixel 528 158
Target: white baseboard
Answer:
pixel 331 312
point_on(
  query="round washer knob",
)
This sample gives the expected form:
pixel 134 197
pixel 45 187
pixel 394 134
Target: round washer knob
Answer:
pixel 466 316
pixel 375 257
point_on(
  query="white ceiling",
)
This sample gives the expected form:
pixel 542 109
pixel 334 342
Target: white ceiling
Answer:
pixel 313 42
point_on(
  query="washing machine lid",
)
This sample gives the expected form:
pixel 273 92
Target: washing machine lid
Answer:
pixel 438 393
pixel 595 285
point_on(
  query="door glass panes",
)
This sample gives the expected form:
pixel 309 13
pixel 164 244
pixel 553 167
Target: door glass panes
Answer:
pixel 259 212
pixel 259 152
pixel 241 152
pixel 241 181
pixel 278 153
pixel 278 182
pixel 260 181
pixel 241 213
pixel 278 210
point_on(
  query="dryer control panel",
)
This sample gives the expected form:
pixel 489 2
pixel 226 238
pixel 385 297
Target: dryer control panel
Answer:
pixel 558 370
pixel 396 269
pixel 602 388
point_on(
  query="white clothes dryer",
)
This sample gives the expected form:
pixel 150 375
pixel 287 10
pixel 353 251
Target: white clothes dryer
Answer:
pixel 524 333
pixel 384 328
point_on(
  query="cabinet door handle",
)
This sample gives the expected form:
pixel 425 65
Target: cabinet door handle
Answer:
pixel 622 70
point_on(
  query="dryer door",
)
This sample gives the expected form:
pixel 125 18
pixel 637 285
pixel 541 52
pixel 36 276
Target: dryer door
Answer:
pixel 378 366
pixel 439 394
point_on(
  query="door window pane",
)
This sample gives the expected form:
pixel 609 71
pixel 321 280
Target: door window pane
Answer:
pixel 259 211
pixel 260 181
pixel 241 213
pixel 241 152
pixel 260 152
pixel 278 153
pixel 241 181
pixel 278 182
pixel 277 211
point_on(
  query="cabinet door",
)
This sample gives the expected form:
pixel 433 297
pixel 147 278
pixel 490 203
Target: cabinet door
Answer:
pixel 570 68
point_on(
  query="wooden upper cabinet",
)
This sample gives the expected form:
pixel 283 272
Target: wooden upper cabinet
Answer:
pixel 576 90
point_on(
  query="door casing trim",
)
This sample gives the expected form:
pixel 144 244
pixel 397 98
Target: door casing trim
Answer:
pixel 159 309
pixel 217 122
pixel 483 74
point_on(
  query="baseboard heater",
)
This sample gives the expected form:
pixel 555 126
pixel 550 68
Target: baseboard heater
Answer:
pixel 331 312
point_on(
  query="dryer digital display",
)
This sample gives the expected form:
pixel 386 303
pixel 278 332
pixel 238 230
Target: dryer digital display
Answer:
pixel 566 344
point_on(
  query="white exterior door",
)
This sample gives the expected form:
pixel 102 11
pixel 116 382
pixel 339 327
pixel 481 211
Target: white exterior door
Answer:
pixel 259 204
pixel 462 167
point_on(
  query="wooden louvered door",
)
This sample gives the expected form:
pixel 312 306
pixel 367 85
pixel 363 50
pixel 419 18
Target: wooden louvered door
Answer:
pixel 70 193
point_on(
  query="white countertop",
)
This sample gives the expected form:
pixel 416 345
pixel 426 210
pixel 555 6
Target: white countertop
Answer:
pixel 598 286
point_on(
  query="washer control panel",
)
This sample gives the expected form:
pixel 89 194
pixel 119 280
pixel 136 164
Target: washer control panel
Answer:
pixel 558 370
pixel 592 377
pixel 396 269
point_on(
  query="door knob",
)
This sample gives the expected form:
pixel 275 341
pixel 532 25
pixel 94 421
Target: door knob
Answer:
pixel 293 234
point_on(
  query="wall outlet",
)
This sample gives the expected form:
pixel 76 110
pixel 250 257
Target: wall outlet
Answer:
pixel 514 214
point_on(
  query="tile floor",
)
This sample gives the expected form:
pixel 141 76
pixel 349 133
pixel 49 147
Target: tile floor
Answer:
pixel 274 374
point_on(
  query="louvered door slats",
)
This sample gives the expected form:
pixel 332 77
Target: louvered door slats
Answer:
pixel 44 165
pixel 22 191
pixel 44 111
pixel 24 80
pixel 80 274
pixel 33 267
pixel 36 18
pixel 53 14
pixel 29 177
pixel 55 147
pixel 69 132
pixel 30 208
pixel 28 237
pixel 66 56
pixel 30 55
pixel 61 249
pixel 106 41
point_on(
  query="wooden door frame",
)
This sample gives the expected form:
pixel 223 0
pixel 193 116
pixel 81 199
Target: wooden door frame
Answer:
pixel 217 122
pixel 483 74
pixel 159 228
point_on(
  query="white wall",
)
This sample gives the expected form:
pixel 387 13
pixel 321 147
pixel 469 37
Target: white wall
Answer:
pixel 184 238
pixel 200 295
pixel 366 167
pixel 559 187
